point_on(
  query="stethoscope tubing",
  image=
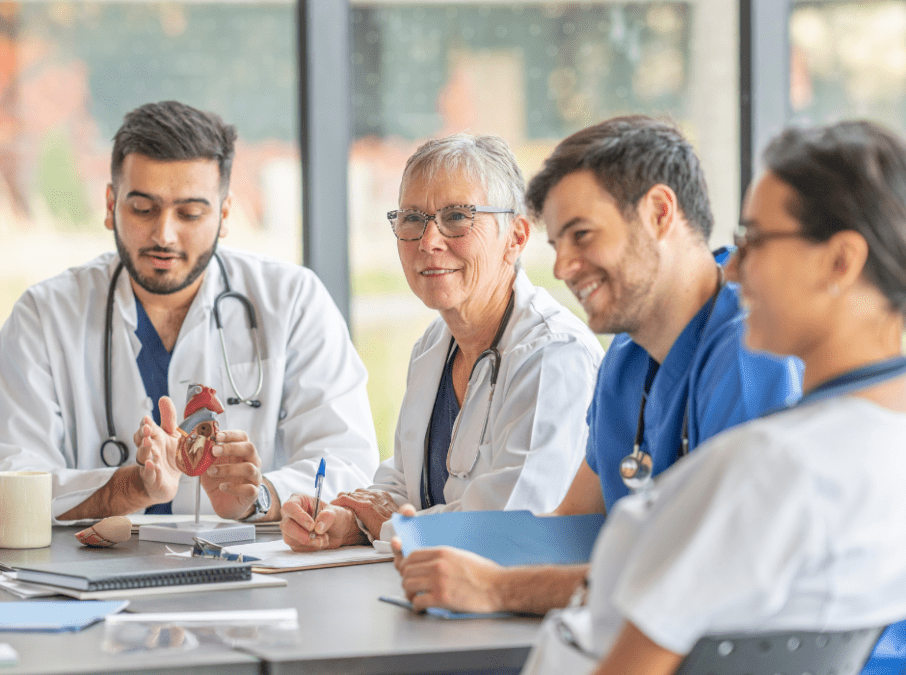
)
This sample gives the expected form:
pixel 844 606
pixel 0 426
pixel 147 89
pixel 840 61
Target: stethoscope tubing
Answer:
pixel 251 400
pixel 636 468
pixel 492 353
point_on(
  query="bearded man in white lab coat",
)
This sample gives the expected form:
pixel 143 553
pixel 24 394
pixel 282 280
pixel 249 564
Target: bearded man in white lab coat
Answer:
pixel 168 204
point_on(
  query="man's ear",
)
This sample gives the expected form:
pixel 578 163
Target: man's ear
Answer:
pixel 110 199
pixel 225 207
pixel 659 210
pixel 517 239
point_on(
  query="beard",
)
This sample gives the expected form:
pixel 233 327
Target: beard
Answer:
pixel 636 278
pixel 159 284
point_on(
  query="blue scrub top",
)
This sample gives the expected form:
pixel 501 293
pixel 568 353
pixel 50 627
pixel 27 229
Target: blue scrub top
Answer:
pixel 708 368
pixel 154 366
pixel 443 417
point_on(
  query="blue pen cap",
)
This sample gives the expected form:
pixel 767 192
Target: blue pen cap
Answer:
pixel 321 470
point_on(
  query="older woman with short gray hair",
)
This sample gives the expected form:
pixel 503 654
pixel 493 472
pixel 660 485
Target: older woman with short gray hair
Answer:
pixel 494 412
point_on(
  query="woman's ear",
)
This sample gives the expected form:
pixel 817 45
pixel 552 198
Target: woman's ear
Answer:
pixel 520 229
pixel 847 254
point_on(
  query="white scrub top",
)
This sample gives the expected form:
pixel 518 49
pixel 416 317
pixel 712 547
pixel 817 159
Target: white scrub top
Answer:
pixel 794 521
pixel 536 432
pixel 313 402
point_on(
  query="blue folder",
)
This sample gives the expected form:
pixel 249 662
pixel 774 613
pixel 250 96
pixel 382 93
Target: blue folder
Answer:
pixel 506 537
pixel 51 616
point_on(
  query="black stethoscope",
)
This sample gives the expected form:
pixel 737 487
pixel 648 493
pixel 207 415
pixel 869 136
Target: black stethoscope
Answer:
pixel 108 358
pixel 635 468
pixel 492 353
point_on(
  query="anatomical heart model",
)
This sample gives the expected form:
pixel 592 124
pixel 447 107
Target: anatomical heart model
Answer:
pixel 197 430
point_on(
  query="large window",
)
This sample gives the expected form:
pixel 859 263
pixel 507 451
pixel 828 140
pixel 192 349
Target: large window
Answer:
pixel 69 71
pixel 532 72
pixel 849 60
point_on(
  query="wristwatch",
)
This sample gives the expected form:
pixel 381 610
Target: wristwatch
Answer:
pixel 261 505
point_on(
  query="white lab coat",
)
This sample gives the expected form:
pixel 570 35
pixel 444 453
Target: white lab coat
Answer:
pixel 536 432
pixel 313 402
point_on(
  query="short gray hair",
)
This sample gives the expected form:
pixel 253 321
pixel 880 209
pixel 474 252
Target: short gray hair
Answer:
pixel 485 158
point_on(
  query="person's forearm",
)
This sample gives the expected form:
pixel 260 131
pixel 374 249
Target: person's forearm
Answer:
pixel 123 494
pixel 537 589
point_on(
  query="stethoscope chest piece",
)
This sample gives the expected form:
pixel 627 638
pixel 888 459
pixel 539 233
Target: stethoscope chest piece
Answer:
pixel 118 447
pixel 635 470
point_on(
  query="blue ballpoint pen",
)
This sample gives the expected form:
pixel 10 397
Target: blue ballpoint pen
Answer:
pixel 319 481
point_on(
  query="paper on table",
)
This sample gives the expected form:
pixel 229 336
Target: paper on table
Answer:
pixel 277 556
pixel 23 589
pixel 50 616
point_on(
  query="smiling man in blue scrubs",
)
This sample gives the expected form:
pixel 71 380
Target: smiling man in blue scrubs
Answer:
pixel 627 211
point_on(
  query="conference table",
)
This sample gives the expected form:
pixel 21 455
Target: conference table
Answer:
pixel 343 627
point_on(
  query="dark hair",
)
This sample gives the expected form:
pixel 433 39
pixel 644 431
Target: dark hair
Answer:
pixel 629 156
pixel 850 176
pixel 171 131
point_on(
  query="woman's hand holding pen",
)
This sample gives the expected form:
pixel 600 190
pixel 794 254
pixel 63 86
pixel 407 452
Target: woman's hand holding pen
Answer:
pixel 334 527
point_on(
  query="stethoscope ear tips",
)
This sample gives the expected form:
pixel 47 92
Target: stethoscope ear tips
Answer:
pixel 635 470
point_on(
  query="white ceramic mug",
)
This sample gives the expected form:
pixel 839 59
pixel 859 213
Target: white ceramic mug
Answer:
pixel 25 509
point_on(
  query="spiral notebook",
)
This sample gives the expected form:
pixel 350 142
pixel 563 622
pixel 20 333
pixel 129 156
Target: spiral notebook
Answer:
pixel 106 574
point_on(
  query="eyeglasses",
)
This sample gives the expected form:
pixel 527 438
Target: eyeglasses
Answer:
pixel 452 221
pixel 746 237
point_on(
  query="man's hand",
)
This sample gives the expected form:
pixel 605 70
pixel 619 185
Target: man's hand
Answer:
pixel 334 527
pixel 450 578
pixel 156 454
pixel 373 507
pixel 233 479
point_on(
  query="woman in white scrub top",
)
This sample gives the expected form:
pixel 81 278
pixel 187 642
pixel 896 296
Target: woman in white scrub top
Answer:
pixel 498 386
pixel 793 521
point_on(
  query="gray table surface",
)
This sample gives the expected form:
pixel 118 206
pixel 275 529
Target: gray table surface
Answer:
pixel 343 627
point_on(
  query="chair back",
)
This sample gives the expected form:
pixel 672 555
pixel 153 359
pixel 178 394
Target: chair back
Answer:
pixel 785 653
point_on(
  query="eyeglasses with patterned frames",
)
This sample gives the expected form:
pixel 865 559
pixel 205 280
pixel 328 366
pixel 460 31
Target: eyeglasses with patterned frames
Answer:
pixel 747 237
pixel 452 221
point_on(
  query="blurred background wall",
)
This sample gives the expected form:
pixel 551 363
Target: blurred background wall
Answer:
pixel 532 72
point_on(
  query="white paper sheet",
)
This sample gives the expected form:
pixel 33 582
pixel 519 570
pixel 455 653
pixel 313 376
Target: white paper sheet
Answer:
pixel 278 555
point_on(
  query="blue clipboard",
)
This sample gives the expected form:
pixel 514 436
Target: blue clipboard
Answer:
pixel 506 537
pixel 442 613
pixel 55 616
